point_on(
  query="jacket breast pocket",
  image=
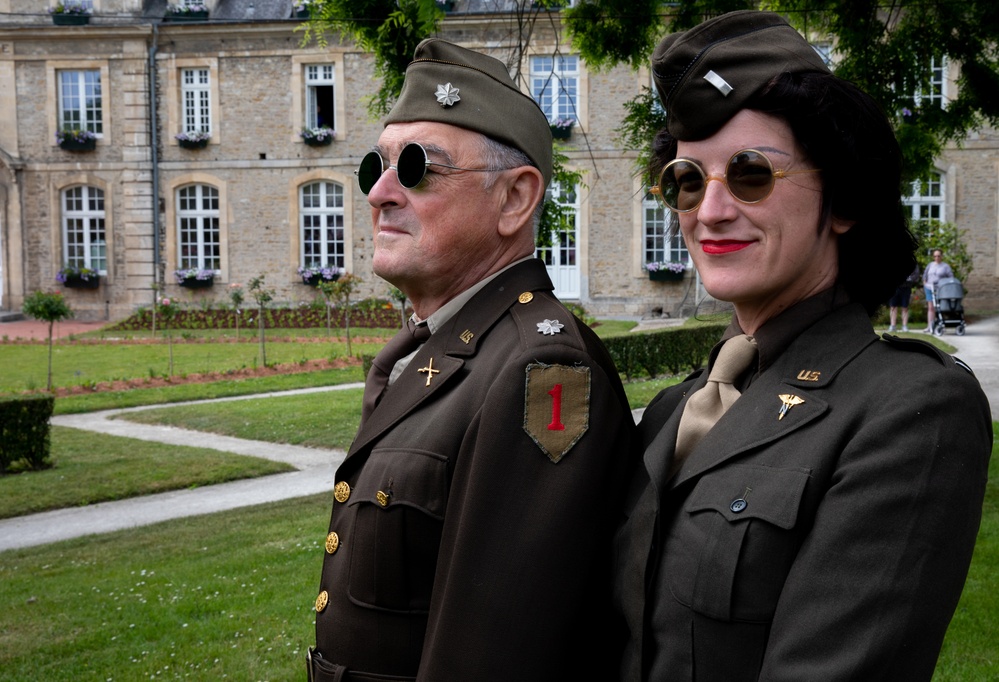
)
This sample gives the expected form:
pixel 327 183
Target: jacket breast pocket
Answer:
pixel 398 510
pixel 739 529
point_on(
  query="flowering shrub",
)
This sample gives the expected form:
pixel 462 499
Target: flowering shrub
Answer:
pixel 74 135
pixel 194 136
pixel 193 273
pixel 671 266
pixel 70 272
pixel 71 7
pixel 563 123
pixel 186 9
pixel 320 134
pixel 329 273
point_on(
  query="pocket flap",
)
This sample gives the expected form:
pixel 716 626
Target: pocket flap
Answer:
pixel 414 478
pixel 746 491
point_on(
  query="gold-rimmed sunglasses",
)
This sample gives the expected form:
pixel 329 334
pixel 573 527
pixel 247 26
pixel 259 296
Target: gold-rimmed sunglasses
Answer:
pixel 749 177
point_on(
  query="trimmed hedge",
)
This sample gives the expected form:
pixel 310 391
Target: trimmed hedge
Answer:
pixel 668 351
pixel 24 431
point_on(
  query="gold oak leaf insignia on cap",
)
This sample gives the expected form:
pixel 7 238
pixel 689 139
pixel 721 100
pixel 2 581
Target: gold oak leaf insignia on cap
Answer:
pixel 447 95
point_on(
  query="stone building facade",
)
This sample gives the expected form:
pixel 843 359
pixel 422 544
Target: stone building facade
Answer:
pixel 257 200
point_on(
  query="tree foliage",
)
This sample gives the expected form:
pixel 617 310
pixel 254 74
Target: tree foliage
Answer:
pixel 887 49
pixel 51 308
pixel 933 234
pixel 391 30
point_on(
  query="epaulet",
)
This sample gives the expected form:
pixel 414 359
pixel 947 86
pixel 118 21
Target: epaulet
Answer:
pixel 926 348
pixel 542 316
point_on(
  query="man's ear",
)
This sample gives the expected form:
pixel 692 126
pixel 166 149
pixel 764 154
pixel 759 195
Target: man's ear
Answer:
pixel 523 189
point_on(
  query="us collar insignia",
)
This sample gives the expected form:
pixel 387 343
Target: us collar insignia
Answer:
pixel 550 327
pixel 787 402
pixel 447 95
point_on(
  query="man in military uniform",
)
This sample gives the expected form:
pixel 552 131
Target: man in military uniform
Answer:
pixel 470 518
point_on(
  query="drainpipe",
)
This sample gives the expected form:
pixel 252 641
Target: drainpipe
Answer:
pixel 155 160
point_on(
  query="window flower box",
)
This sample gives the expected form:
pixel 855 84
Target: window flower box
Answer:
pixel 193 140
pixel 70 13
pixel 195 278
pixel 78 278
pixel 562 128
pixel 314 274
pixel 73 140
pixel 187 12
pixel 318 137
pixel 666 272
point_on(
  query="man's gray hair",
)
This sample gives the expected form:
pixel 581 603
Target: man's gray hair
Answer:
pixel 498 155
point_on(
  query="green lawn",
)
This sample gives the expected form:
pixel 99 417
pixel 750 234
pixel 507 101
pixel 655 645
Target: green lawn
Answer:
pixel 81 364
pixel 91 467
pixel 323 420
pixel 229 596
pixel 225 596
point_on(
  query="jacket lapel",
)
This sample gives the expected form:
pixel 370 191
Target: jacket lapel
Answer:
pixel 809 364
pixel 457 339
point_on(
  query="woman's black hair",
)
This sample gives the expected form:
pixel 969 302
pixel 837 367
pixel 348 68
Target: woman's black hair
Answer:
pixel 846 134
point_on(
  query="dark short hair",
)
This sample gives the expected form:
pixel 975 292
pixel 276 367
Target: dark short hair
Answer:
pixel 846 134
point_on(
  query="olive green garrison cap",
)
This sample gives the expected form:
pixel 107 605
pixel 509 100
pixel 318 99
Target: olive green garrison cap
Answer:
pixel 449 84
pixel 704 76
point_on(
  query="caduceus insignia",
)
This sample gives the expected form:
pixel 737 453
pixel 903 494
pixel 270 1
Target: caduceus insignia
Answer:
pixel 787 402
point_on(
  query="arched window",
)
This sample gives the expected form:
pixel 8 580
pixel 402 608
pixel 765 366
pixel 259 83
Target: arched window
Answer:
pixel 321 220
pixel 83 235
pixel 198 235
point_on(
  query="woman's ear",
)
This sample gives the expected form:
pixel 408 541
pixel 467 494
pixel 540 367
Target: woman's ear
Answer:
pixel 523 188
pixel 840 225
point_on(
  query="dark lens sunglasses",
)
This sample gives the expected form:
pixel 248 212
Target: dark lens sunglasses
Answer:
pixel 749 177
pixel 411 167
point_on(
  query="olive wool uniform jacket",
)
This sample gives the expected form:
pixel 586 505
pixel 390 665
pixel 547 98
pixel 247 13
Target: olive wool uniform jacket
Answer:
pixel 830 544
pixel 471 510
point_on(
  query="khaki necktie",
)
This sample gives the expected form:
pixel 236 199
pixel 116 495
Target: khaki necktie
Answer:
pixel 706 406
pixel 402 344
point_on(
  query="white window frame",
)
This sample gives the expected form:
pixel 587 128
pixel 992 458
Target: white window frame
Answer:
pixel 662 241
pixel 199 230
pixel 317 77
pixel 196 99
pixel 565 272
pixel 555 85
pixel 84 229
pixel 938 90
pixel 85 84
pixel 927 201
pixel 326 215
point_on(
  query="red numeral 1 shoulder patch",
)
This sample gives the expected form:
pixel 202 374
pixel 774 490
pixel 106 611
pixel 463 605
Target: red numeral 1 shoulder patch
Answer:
pixel 556 407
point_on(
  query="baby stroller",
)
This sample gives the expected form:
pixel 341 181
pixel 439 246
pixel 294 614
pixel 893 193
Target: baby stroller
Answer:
pixel 948 295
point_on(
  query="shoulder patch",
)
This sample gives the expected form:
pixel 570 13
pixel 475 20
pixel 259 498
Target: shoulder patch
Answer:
pixel 556 407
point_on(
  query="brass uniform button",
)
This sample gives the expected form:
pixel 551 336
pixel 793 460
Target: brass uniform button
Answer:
pixel 526 297
pixel 321 601
pixel 332 543
pixel 341 492
pixel 382 498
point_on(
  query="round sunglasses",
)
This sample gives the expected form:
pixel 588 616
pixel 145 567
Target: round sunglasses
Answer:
pixel 411 167
pixel 749 177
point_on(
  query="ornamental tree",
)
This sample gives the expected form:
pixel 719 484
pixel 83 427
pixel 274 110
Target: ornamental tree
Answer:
pixel 50 307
